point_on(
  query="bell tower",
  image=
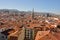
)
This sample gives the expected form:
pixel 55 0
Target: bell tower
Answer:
pixel 33 13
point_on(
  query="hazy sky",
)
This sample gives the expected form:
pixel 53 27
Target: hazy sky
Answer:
pixel 39 5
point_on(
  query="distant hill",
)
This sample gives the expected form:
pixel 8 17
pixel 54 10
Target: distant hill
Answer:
pixel 11 10
pixel 17 11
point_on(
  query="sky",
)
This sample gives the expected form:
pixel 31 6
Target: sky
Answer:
pixel 52 6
